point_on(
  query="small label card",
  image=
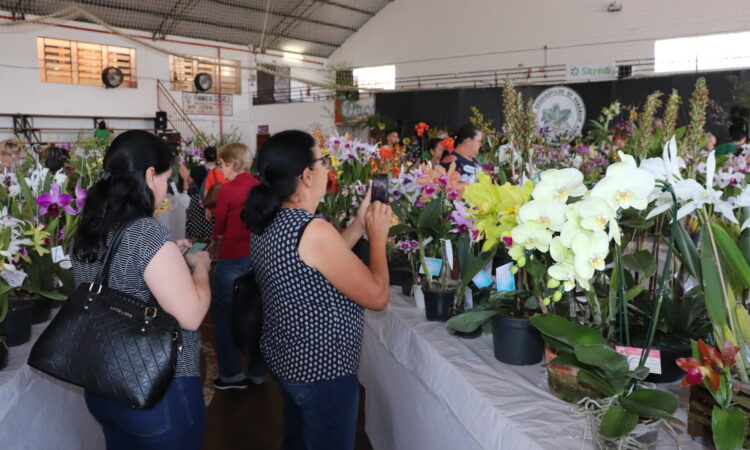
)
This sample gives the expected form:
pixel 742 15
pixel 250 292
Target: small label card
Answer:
pixel 482 279
pixel 653 361
pixel 506 281
pixel 433 266
pixel 448 252
pixel 13 277
pixel 57 254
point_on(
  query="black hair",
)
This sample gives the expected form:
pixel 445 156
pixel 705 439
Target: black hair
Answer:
pixel 209 154
pixel 392 130
pixel 737 132
pixel 281 160
pixel 432 143
pixel 102 125
pixel 55 158
pixel 467 131
pixel 122 193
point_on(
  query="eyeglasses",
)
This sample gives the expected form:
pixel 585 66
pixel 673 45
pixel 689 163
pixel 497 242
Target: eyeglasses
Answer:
pixel 326 160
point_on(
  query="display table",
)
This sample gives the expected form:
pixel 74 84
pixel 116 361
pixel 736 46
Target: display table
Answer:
pixel 427 389
pixel 40 412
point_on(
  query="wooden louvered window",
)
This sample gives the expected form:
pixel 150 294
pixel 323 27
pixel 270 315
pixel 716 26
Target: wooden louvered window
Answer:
pixel 75 62
pixel 184 72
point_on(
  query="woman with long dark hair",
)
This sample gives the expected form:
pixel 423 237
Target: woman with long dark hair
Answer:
pixel 314 290
pixel 468 140
pixel 147 265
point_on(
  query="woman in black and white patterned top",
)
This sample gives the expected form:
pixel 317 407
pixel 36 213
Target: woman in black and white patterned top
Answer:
pixel 148 263
pixel 314 290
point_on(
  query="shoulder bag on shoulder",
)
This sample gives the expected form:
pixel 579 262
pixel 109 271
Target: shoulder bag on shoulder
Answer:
pixel 111 343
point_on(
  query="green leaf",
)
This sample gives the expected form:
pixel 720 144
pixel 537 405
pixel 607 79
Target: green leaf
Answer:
pixel 712 288
pixel 642 262
pixel 604 357
pixel 617 421
pixel 688 251
pixel 53 295
pixel 728 427
pixel 744 243
pixel 401 228
pixel 733 255
pixel 536 269
pixel 471 320
pixel 651 403
pixel 743 321
pixel 431 215
pixel 566 332
pixel 597 382
pixel 633 292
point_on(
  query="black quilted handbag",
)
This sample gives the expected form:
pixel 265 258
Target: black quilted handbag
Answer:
pixel 111 343
pixel 247 314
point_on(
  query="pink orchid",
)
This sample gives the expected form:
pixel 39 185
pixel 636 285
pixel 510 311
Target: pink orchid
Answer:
pixel 80 196
pixel 53 201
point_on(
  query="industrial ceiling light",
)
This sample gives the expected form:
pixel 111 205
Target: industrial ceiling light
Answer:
pixel 203 82
pixel 112 77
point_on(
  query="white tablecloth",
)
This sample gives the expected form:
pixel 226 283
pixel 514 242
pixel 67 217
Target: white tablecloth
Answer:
pixel 426 389
pixel 39 412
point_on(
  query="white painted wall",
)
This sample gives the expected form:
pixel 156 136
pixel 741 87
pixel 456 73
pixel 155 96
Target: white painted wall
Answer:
pixel 445 36
pixel 19 70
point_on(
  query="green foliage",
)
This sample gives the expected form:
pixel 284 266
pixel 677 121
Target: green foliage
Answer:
pixel 728 426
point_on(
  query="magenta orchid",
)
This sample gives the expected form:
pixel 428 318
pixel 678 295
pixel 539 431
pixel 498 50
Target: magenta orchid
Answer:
pixel 80 196
pixel 52 202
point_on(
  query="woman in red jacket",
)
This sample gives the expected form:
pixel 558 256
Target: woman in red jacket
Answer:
pixel 233 239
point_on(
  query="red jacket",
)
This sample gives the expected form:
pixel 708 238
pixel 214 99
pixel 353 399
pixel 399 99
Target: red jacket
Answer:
pixel 230 202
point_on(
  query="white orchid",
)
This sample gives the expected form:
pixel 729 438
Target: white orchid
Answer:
pixel 549 213
pixel 695 196
pixel 564 268
pixel 559 184
pixel 590 253
pixel 742 201
pixel 572 226
pixel 625 185
pixel 597 215
pixel 60 178
pixel 532 235
pixel 667 170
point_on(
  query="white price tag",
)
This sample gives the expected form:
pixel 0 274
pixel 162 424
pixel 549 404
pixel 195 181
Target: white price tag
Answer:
pixel 448 252
pixel 13 277
pixel 58 254
pixel 653 361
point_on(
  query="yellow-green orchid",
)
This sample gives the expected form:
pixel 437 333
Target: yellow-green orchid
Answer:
pixel 625 185
pixel 564 269
pixel 38 237
pixel 559 184
pixel 596 214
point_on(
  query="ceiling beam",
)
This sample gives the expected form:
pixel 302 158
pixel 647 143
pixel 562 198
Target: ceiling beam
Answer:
pixel 286 16
pixel 200 21
pixel 347 7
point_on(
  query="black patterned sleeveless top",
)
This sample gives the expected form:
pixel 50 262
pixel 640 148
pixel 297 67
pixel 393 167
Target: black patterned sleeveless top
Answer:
pixel 311 331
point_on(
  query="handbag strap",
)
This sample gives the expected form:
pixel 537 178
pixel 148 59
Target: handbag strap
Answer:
pixel 114 244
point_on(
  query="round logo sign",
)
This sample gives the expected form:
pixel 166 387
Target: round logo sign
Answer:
pixel 560 107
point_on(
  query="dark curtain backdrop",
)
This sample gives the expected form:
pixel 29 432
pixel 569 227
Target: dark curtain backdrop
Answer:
pixel 449 108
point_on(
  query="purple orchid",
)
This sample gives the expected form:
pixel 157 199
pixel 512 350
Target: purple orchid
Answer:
pixel 53 201
pixel 459 219
pixel 80 196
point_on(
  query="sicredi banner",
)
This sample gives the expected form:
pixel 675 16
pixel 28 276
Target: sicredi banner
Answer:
pixel 591 71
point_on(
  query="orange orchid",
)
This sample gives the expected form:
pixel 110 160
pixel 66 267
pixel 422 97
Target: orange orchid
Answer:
pixel 420 128
pixel 448 144
pixel 433 180
pixel 386 152
pixel 711 366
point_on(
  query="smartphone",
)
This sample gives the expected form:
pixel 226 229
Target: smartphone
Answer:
pixel 380 187
pixel 197 247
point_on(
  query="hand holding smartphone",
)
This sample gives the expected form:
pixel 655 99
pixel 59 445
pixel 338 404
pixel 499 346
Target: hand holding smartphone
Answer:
pixel 380 188
pixel 197 247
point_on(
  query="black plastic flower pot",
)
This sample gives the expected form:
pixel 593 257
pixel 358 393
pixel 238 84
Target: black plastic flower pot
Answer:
pixel 397 277
pixel 516 341
pixel 17 324
pixel 41 309
pixel 669 370
pixel 437 305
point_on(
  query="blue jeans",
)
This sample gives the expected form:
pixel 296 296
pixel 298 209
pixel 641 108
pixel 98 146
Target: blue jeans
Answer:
pixel 321 415
pixel 177 422
pixel 230 366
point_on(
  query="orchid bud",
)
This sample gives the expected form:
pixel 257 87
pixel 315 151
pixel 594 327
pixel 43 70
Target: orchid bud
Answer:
pixel 553 283
pixel 514 270
pixel 521 261
pixel 557 296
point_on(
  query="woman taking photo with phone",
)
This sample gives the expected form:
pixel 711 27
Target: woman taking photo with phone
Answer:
pixel 149 266
pixel 314 290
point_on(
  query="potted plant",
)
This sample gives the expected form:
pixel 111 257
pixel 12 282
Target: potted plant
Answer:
pixel 626 414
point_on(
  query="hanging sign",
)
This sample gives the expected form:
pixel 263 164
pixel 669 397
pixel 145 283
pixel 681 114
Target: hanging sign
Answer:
pixel 352 111
pixel 560 107
pixel 591 72
pixel 206 104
